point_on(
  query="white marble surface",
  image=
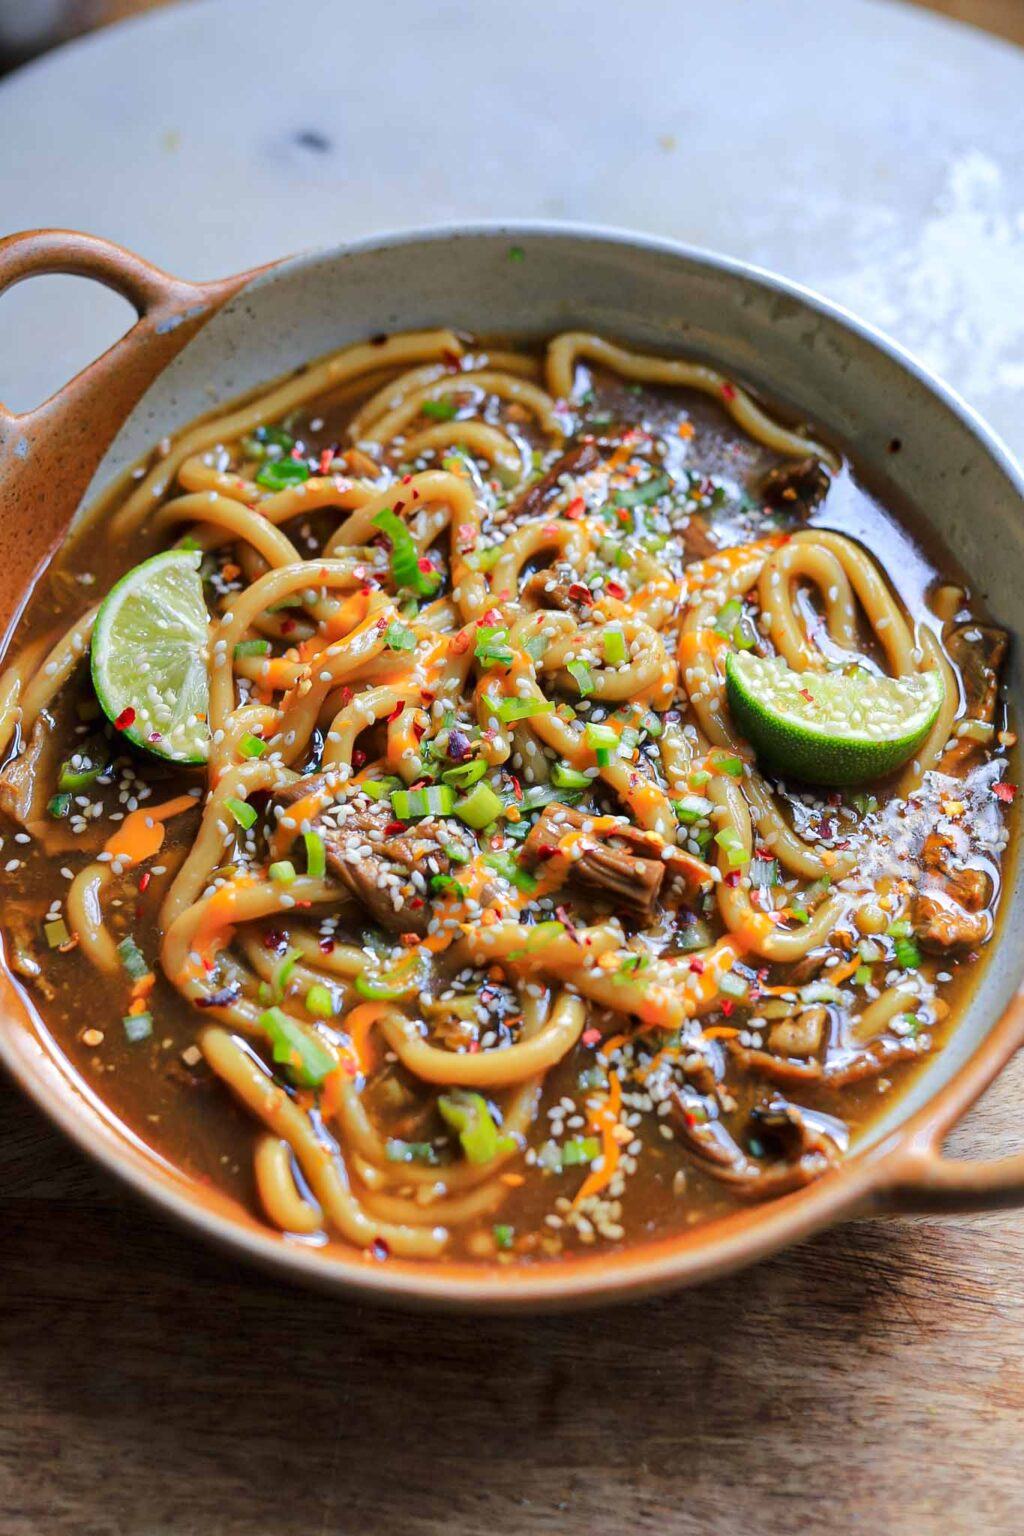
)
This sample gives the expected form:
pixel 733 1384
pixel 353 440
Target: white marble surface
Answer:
pixel 870 150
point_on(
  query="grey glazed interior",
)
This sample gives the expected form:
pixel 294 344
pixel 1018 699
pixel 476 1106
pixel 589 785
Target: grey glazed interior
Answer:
pixel 794 347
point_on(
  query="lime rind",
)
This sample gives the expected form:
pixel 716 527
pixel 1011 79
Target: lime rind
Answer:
pixel 830 728
pixel 149 654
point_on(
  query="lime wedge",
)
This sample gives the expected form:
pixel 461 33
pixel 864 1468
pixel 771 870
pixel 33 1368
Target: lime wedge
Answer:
pixel 150 657
pixel 830 727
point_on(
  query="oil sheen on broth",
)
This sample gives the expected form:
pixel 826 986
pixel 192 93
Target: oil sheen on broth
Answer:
pixel 481 932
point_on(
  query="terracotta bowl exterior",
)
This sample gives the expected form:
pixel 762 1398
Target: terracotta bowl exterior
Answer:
pixel 197 346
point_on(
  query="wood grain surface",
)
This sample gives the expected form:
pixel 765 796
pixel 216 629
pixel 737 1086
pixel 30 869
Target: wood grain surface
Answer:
pixel 870 1381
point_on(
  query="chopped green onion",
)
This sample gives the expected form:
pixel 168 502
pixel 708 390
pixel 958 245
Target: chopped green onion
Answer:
pixel 279 474
pixel 582 1149
pixel 435 800
pixel 535 647
pixel 908 956
pixel 733 766
pixel 455 853
pixel 862 975
pixel 380 789
pixel 507 866
pixel 319 1001
pixel 732 985
pixel 244 814
pixel 801 914
pixel 56 932
pixel 581 674
pixel 137 1026
pixel 59 806
pixel 252 746
pixel 642 495
pixel 564 777
pixel 405 560
pixel 492 647
pixel 479 808
pixel 440 410
pixel 299 1050
pixel 399 1151
pixel 447 885
pixel 132 958
pixel 522 709
pixel 316 855
pixel 692 808
pixel 869 951
pixel 386 986
pixel 78 776
pixel 615 652
pixel 604 756
pixel 283 872
pixel 731 844
pixel 764 872
pixel 600 736
pixel 252 648
pixel 699 777
pixel 469 1114
pixel 282 973
pixel 902 928
pixel 465 774
pixel 728 616
pixel 504 1237
pixel 398 638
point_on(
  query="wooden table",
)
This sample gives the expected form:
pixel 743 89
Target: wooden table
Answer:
pixel 872 1380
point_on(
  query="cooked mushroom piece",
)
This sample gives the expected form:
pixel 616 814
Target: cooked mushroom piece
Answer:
pixel 625 866
pixel 948 912
pixel 797 1150
pixel 796 488
pixel 376 860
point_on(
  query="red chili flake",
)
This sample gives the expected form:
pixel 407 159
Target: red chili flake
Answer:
pixel 473 1047
pixel 575 509
pixel 460 643
pixel 697 967
pixel 547 851
pixel 452 361
pixel 465 537
pixel 590 1036
pixel 691 1118
pixel 396 711
pixel 1005 792
pixel 326 945
pixel 425 566
pixel 287 625
pixel 398 507
pixel 732 879
pixel 144 880
pixel 490 617
pixel 804 694
pixel 581 594
pixel 727 1007
pixel 125 719
pixel 517 788
pixel 272 939
pixel 406 480
pixel 326 459
pixel 418 729
pixel 297 454
pixel 728 391
pixel 154 736
pixel 379 1248
pixel 299 904
pixel 614 589
pixel 415 903
pixel 624 516
pixel 393 827
pixel 346 695
pixel 358 758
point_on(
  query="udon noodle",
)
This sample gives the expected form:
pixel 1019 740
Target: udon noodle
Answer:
pixel 481 906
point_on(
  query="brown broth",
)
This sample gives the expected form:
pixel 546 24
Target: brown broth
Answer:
pixel 162 1088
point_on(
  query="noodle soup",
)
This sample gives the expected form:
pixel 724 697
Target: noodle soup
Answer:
pixel 492 802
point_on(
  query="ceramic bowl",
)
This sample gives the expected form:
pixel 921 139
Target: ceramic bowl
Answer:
pixel 198 346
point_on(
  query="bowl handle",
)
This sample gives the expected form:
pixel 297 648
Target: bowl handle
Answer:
pixel 929 1183
pixel 49 455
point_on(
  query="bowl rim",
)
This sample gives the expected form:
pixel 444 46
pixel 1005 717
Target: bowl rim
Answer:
pixel 862 1183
